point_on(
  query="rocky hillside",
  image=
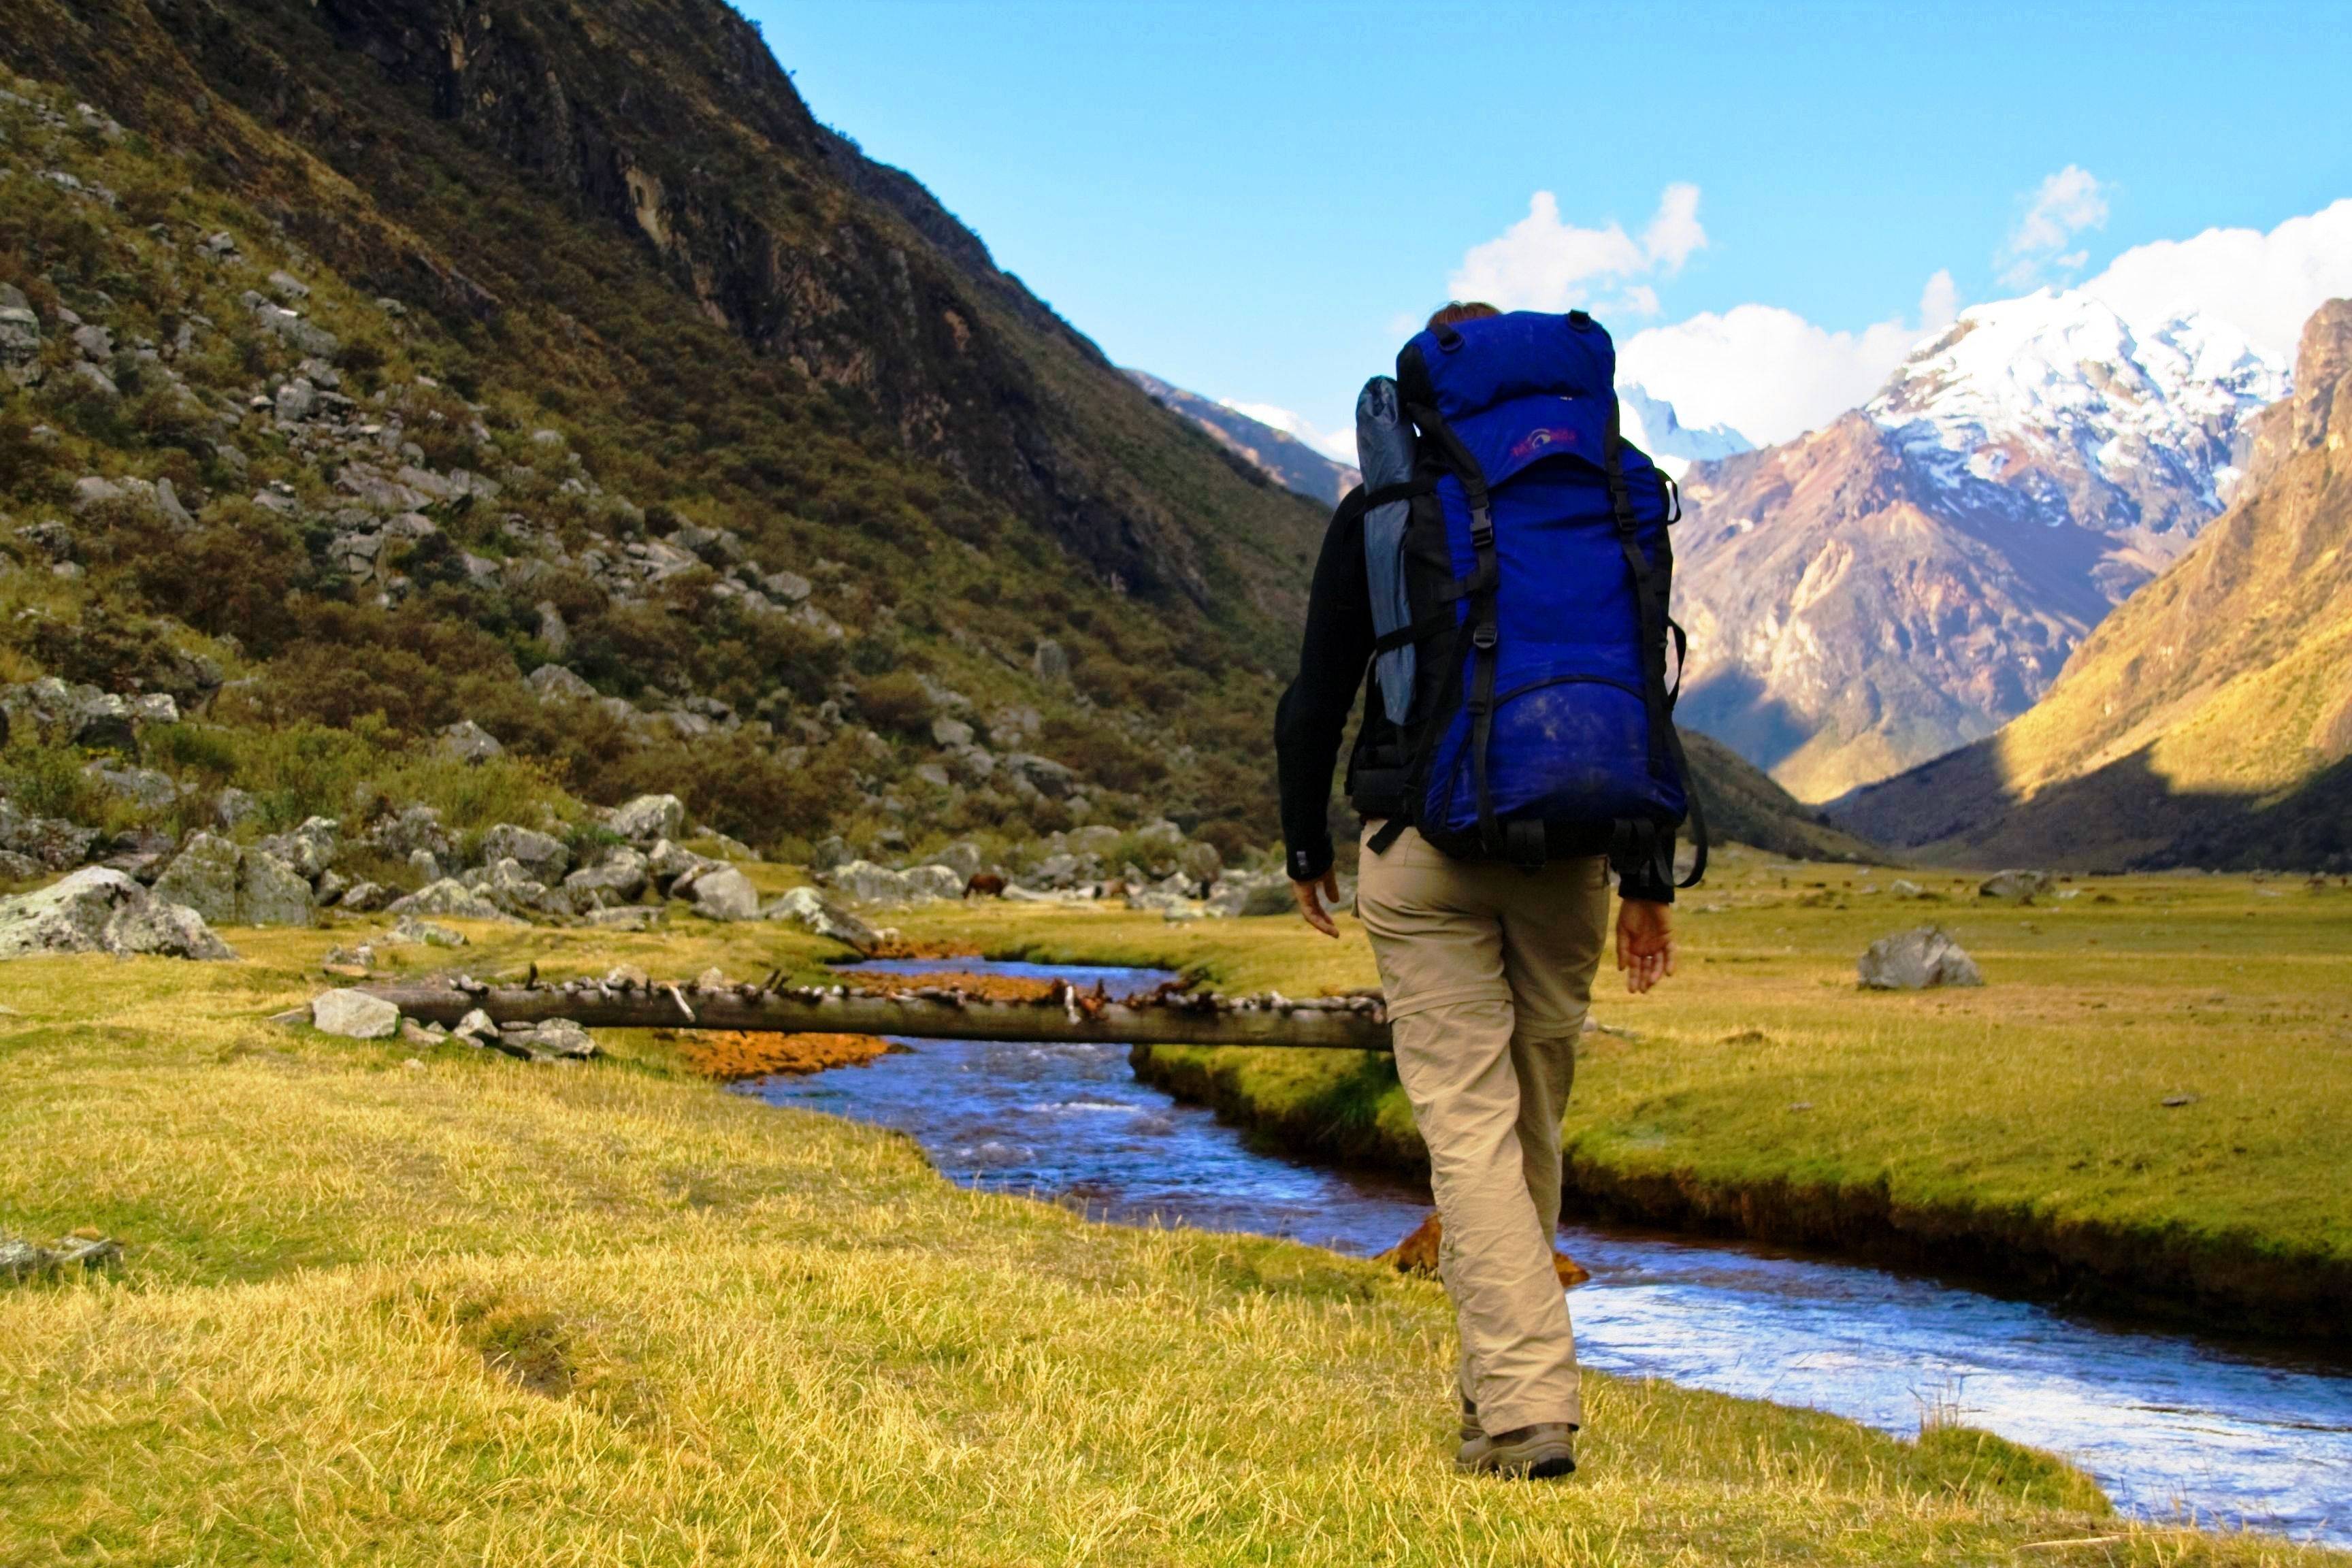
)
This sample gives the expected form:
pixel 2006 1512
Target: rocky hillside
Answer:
pixel 1913 575
pixel 1278 454
pixel 2208 719
pixel 1744 806
pixel 395 373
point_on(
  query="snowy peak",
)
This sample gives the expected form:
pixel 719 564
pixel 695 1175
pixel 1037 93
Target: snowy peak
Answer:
pixel 2053 406
pixel 1650 423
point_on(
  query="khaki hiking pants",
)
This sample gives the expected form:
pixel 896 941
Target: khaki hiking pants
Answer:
pixel 1488 971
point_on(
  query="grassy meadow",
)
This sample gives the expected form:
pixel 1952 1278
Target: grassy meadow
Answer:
pixel 398 1306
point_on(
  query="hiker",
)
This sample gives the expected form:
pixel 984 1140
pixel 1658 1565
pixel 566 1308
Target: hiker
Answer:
pixel 1503 570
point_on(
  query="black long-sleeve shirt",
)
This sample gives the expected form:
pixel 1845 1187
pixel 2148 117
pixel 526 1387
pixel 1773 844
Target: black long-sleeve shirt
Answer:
pixel 1313 713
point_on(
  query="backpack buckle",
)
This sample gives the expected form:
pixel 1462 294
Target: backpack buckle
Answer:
pixel 1484 636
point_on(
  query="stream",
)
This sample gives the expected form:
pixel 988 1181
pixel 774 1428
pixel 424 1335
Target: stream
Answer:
pixel 2175 1427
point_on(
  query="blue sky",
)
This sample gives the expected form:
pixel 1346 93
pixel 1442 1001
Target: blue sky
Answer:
pixel 1251 200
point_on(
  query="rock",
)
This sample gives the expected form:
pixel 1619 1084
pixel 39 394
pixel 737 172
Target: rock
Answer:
pixel 553 635
pixel 935 881
pixel 951 732
pixel 627 917
pixel 541 856
pixel 831 851
pixel 417 1033
pixel 425 864
pixel 649 818
pixel 296 401
pixel 16 868
pixel 330 888
pixel 556 1039
pixel 1256 898
pixel 862 881
pixel 621 875
pixel 1905 887
pixel 365 898
pixel 963 857
pixel 469 742
pixel 2017 887
pixel 1051 662
pixel 410 929
pixel 667 862
pixel 354 1014
pixel 1916 959
pixel 476 1027
pixel 311 849
pixel 233 806
pixel 269 893
pixel 1038 776
pixel 100 910
pixel 24 1261
pixel 203 877
pixel 413 828
pixel 808 907
pixel 52 842
pixel 726 894
pixel 553 683
pixel 451 900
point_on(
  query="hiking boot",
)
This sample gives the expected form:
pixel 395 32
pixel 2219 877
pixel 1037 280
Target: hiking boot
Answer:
pixel 1530 1453
pixel 1471 1430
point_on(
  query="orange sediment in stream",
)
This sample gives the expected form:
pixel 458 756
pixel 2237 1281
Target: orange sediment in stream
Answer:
pixel 731 1054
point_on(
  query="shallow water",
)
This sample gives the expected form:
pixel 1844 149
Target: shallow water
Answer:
pixel 2174 1426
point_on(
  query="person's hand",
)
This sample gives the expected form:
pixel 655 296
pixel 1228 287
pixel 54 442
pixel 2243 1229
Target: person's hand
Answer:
pixel 1645 943
pixel 1311 896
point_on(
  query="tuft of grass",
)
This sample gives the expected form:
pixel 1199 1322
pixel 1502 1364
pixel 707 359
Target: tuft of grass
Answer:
pixel 408 1306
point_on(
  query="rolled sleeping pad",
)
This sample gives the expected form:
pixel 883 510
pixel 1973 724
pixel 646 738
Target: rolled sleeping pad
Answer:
pixel 1385 452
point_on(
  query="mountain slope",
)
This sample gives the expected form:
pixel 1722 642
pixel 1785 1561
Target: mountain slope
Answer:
pixel 876 476
pixel 1743 806
pixel 1278 454
pixel 1652 423
pixel 1914 574
pixel 2208 719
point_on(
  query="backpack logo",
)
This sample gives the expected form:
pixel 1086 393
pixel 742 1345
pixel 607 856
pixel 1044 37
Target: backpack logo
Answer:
pixel 1542 437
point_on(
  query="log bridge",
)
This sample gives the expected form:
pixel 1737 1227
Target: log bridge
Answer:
pixel 1168 1017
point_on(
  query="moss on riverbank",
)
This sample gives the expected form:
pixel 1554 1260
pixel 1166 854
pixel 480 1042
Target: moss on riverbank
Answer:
pixel 402 1305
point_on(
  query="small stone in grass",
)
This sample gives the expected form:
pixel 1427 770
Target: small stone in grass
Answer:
pixel 354 1014
pixel 2174 1101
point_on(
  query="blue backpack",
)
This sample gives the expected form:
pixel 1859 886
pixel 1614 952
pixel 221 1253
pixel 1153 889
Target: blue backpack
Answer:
pixel 1519 568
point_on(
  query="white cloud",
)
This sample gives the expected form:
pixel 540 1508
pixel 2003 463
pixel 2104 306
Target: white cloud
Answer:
pixel 2065 204
pixel 1339 445
pixel 2266 285
pixel 1541 263
pixel 1768 372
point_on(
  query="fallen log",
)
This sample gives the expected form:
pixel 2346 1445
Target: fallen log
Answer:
pixel 935 1013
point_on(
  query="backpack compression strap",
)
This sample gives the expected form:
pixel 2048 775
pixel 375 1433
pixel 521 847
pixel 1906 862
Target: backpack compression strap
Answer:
pixel 1479 629
pixel 1665 744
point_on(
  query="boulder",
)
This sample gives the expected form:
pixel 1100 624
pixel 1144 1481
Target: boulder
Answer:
pixel 409 929
pixel 311 849
pixel 936 881
pixel 100 910
pixel 469 742
pixel 726 894
pixel 1916 959
pixel 863 882
pixel 1099 839
pixel 831 851
pixel 450 900
pixel 269 893
pixel 555 1039
pixel 811 909
pixel 203 877
pixel 667 862
pixel 627 916
pixel 963 857
pixel 50 842
pixel 650 818
pixel 1038 775
pixel 354 1014
pixel 2018 887
pixel 951 732
pixel 145 788
pixel 415 828
pixel 1051 661
pixel 1204 863
pixel 540 855
pixel 620 875
pixel 366 897
pixel 553 683
pixel 232 807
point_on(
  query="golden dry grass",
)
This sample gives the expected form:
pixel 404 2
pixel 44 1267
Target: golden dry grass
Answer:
pixel 400 1308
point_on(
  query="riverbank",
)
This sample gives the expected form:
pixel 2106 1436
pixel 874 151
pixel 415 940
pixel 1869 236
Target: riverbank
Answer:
pixel 397 1302
pixel 2142 1110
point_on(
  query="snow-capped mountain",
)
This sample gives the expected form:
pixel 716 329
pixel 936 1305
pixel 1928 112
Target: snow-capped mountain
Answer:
pixel 1650 424
pixel 1913 575
pixel 1278 454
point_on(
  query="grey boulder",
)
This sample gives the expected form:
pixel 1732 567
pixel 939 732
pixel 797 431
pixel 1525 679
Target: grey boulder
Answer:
pixel 2017 887
pixel 541 856
pixel 650 818
pixel 812 911
pixel 100 910
pixel 726 894
pixel 451 900
pixel 469 742
pixel 311 849
pixel 354 1014
pixel 231 886
pixel 1917 958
